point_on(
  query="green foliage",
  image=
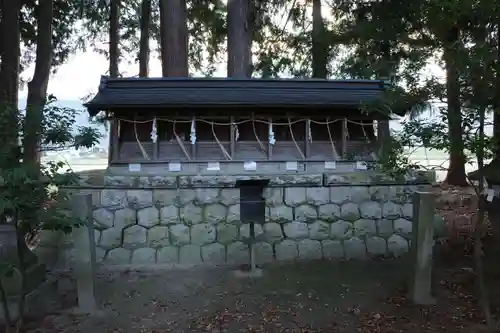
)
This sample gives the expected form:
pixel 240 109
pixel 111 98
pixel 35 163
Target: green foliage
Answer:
pixel 30 193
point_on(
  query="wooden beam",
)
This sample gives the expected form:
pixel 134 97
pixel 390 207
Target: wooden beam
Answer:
pixel 345 133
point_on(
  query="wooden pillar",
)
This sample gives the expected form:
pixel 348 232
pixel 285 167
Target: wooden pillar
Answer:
pixel 114 141
pixel 193 147
pixel 156 145
pixel 232 143
pixel 269 145
pixel 307 143
pixel 344 138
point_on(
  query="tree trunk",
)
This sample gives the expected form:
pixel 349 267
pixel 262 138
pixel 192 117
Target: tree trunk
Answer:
pixel 9 79
pixel 456 170
pixel 144 42
pixel 496 108
pixel 239 52
pixel 37 88
pixel 174 38
pixel 114 38
pixel 319 50
pixel 114 59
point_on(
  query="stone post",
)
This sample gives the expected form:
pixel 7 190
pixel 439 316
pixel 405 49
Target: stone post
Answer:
pixel 84 253
pixel 421 247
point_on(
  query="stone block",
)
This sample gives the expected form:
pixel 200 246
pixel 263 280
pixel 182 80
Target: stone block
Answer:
pixel 359 194
pixel 273 196
pixel 143 256
pixel 227 233
pixel 148 217
pixel 118 256
pixel 207 196
pixel 213 253
pixel 125 217
pixel 349 212
pixel 318 196
pixel 341 230
pixel 332 249
pixel 100 254
pixel 273 232
pixel 191 214
pixel 370 210
pixel 339 195
pixel 329 212
pixel 167 255
pixel 364 227
pixel 103 218
pixel 169 215
pixel 165 197
pixel 385 227
pixel 111 238
pixel 113 199
pixel 233 214
pixel 134 237
pixel 138 199
pixel 158 236
pixel 296 230
pixel 295 196
pixel 179 234
pixel 202 234
pixel 286 250
pixel 407 211
pixel 215 213
pixel 190 255
pixel 390 210
pixel 237 253
pixel 355 248
pixel 263 253
pixel 309 249
pixel 230 196
pixel 281 214
pixel 319 230
pixel 306 213
pixel 403 227
pixel 376 246
pixel 97 236
pixel 186 196
pixel 397 245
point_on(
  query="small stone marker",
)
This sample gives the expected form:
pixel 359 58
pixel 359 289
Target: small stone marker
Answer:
pixel 421 247
pixel 85 256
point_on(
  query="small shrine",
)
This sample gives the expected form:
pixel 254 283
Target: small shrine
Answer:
pixel 198 125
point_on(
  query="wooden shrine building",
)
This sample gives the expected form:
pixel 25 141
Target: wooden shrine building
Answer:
pixel 239 125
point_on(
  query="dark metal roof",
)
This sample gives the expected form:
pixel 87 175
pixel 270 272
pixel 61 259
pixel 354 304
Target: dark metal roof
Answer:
pixel 228 92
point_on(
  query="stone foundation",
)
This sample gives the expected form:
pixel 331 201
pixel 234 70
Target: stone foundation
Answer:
pixel 195 219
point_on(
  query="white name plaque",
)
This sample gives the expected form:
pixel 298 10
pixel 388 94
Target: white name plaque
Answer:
pixel 330 165
pixel 134 167
pixel 250 166
pixel 174 166
pixel 291 166
pixel 213 166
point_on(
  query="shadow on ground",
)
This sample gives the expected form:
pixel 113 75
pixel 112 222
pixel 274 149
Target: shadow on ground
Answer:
pixel 316 296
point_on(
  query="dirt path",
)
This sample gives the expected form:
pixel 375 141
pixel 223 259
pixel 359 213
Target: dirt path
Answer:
pixel 304 297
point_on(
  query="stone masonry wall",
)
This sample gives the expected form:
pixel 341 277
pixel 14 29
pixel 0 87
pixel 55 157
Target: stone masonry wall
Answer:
pixel 195 219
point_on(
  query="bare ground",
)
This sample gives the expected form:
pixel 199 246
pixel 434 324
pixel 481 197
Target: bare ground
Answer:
pixel 319 296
